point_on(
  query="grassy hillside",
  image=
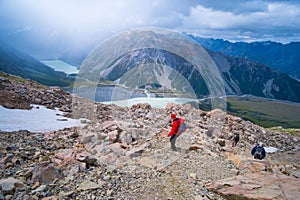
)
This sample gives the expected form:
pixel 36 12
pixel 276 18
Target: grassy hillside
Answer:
pixel 266 113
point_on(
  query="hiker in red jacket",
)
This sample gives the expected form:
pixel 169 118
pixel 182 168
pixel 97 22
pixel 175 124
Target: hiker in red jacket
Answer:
pixel 174 131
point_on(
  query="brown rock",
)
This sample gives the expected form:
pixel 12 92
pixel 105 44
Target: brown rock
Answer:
pixel 50 198
pixel 108 159
pixel 217 113
pixel 89 137
pixel 68 163
pixel 117 148
pixel 113 136
pixel 88 185
pixel 173 106
pixel 260 185
pixel 65 153
pixel 45 173
pixel 195 147
pixel 143 106
pixel 137 150
pixel 3 150
pixel 107 124
pixel 221 142
pixel 255 165
pixel 86 157
pixel 7 159
pixel 248 164
pixel 125 137
pixel 199 197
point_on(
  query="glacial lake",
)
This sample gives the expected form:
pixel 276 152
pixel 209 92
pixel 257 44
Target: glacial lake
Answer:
pixel 123 97
pixel 37 119
pixel 61 66
pixel 154 102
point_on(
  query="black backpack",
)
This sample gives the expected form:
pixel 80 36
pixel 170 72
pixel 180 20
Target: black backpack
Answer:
pixel 258 154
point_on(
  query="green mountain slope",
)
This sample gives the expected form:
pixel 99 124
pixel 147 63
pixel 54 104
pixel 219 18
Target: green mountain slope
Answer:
pixel 264 112
pixel 17 63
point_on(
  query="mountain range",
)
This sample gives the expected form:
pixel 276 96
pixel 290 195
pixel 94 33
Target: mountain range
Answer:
pixel 240 75
pixel 282 57
pixel 243 76
pixel 244 67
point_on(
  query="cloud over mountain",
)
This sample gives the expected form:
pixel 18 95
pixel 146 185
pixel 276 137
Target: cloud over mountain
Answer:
pixel 79 23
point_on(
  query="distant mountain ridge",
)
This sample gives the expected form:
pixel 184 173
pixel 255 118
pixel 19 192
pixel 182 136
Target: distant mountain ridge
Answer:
pixel 17 63
pixel 282 57
pixel 156 66
pixel 241 76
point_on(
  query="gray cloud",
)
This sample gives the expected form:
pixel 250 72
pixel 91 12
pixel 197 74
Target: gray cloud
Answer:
pixel 75 24
pixel 276 21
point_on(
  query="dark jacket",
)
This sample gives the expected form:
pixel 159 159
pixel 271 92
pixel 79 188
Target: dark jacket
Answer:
pixel 256 149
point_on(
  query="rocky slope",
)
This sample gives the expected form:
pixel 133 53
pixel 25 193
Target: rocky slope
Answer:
pixel 124 153
pixel 20 94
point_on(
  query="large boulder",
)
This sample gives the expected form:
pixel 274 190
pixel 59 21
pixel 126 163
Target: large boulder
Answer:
pixel 248 164
pixel 45 173
pixel 261 185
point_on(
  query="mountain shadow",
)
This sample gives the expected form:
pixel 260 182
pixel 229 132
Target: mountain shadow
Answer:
pixel 17 63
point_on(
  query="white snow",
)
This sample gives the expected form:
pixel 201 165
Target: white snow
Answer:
pixel 271 149
pixel 38 119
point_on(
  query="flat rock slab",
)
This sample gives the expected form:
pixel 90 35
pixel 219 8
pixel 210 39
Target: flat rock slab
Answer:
pixel 9 185
pixel 88 185
pixel 260 185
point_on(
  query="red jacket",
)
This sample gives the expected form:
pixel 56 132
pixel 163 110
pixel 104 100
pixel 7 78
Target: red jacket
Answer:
pixel 175 127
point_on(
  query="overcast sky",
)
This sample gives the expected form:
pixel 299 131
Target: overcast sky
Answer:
pixel 84 21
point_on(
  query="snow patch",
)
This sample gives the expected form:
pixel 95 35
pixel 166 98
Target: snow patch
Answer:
pixel 268 87
pixel 271 149
pixel 37 119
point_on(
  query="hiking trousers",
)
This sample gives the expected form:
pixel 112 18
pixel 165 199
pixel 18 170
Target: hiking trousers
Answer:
pixel 173 140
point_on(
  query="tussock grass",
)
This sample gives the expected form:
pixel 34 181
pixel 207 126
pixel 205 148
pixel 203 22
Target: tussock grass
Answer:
pixel 292 131
pixel 264 112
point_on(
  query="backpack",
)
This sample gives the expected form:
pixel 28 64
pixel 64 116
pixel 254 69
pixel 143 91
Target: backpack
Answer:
pixel 182 125
pixel 258 153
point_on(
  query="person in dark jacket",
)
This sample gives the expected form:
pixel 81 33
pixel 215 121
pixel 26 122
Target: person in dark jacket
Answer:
pixel 258 151
pixel 235 139
pixel 173 134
